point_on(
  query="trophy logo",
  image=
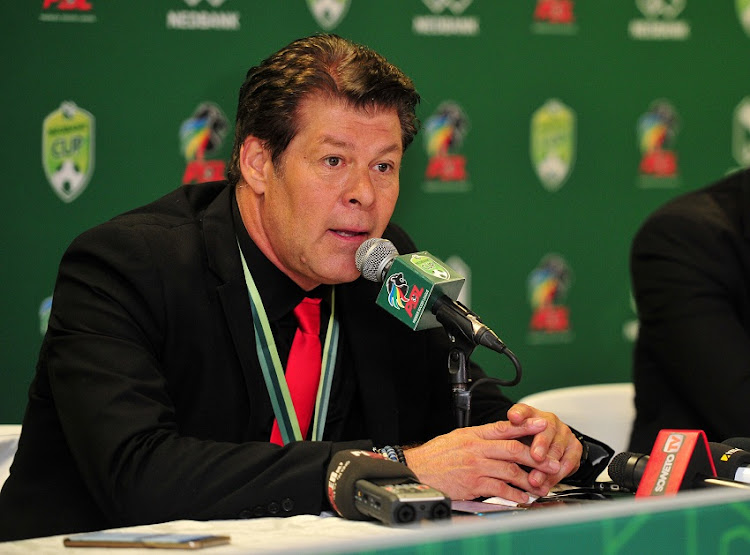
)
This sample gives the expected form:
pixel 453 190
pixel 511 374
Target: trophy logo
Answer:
pixel 203 133
pixel 548 286
pixel 68 150
pixel 398 290
pixel 553 143
pixel 657 132
pixel 444 133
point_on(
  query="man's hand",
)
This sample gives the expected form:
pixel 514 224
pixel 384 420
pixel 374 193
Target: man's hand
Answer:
pixel 555 442
pixel 487 461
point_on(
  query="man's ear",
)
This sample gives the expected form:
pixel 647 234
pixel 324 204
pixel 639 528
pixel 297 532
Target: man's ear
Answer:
pixel 255 164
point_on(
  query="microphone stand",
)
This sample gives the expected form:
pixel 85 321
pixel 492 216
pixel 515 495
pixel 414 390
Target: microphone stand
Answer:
pixel 458 358
pixel 463 342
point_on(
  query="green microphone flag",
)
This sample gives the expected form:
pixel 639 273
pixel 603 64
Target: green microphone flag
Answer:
pixel 413 283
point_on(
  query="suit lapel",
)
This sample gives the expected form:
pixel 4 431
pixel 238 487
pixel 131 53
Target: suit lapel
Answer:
pixel 223 259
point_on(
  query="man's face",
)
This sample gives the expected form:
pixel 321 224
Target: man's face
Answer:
pixel 337 185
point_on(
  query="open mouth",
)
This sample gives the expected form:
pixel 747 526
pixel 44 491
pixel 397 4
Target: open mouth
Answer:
pixel 349 234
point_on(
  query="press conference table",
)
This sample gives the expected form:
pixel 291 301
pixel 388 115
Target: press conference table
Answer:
pixel 701 521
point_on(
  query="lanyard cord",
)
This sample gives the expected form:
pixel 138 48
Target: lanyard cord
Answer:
pixel 273 372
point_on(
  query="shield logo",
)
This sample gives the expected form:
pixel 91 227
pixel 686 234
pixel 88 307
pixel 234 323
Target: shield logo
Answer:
pixel 743 13
pixel 328 13
pixel 741 133
pixel 68 150
pixel 668 9
pixel 553 143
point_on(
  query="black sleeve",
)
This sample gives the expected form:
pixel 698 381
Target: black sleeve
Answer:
pixel 689 284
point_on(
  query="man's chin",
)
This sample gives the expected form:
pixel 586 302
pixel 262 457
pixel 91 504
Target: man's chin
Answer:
pixel 337 278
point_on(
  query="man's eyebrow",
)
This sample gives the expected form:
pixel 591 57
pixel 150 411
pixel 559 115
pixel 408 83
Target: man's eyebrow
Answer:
pixel 333 141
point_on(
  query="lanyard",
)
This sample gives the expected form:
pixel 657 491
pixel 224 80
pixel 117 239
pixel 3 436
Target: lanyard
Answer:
pixel 273 373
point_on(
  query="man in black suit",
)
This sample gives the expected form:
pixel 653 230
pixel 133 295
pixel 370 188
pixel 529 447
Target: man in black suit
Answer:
pixel 690 269
pixel 150 401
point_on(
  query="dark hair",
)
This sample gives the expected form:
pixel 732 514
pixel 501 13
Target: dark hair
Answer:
pixel 323 63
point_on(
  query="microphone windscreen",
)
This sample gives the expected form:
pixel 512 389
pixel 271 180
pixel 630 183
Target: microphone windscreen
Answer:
pixel 738 442
pixel 372 256
pixel 728 458
pixel 346 467
pixel 626 469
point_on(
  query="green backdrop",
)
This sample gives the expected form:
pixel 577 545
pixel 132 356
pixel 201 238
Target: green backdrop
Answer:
pixel 551 128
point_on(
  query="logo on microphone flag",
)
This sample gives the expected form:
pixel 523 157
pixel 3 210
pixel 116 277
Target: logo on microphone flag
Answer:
pixel 398 290
pixel 673 443
pixel 414 278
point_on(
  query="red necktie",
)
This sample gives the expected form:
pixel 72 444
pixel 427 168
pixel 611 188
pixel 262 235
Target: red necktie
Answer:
pixel 303 367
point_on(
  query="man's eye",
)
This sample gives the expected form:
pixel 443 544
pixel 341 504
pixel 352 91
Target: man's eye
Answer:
pixel 383 167
pixel 333 161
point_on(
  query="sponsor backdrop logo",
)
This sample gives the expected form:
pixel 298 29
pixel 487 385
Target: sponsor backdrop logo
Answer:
pixel 67 11
pixel 553 143
pixel 661 21
pixel 657 132
pixel 548 285
pixel 201 134
pixel 446 19
pixel 743 13
pixel 463 269
pixel 444 133
pixel 45 307
pixel 554 17
pixel 741 133
pixel 203 15
pixel 328 13
pixel 630 327
pixel 68 150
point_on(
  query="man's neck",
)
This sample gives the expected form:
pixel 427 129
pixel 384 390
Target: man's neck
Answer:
pixel 249 205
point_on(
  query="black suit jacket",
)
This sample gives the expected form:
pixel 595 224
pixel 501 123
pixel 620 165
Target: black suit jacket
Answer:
pixel 145 401
pixel 690 269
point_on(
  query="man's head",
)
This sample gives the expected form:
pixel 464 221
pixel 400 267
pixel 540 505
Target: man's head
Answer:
pixel 321 130
pixel 318 65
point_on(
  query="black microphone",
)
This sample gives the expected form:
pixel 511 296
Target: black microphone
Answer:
pixel 626 469
pixel 419 289
pixel 731 458
pixel 364 485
